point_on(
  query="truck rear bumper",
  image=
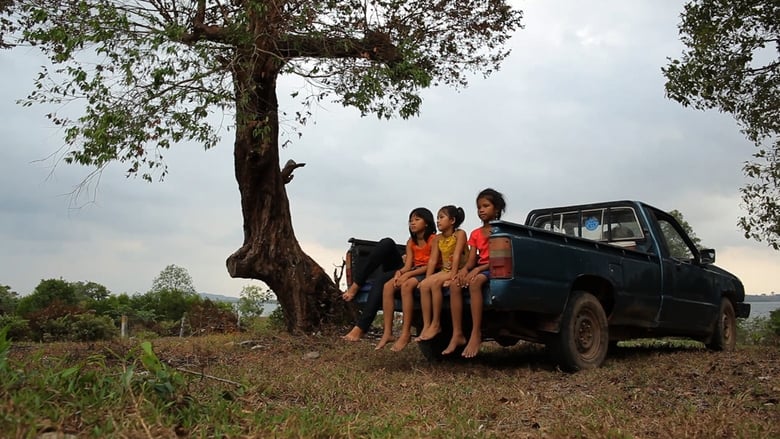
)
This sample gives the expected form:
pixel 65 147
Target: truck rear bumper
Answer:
pixel 743 310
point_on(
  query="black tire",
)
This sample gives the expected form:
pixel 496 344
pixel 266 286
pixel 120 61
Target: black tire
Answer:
pixel 583 340
pixel 724 336
pixel 431 349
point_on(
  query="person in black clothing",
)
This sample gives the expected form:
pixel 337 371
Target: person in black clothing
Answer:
pixel 384 255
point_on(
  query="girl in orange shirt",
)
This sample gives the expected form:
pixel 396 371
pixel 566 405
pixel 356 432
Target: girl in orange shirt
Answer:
pixel 418 251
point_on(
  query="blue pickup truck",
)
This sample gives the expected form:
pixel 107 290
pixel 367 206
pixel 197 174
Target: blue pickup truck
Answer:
pixel 581 278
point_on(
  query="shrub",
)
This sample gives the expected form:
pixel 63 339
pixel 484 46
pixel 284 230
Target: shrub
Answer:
pixel 774 321
pixel 18 328
pixel 209 317
pixel 760 330
pixel 44 321
pixel 752 331
pixel 276 319
pixel 78 327
pixel 89 327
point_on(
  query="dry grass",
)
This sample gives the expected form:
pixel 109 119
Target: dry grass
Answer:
pixel 349 390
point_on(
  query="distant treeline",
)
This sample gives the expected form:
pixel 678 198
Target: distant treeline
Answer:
pixel 771 297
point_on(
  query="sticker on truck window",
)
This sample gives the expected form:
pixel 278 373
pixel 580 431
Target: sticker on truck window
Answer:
pixel 592 223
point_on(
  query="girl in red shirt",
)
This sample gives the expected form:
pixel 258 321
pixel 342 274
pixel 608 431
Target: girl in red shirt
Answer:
pixel 473 276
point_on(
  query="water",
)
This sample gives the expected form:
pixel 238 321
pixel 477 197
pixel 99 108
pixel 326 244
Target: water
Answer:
pixel 762 309
pixel 269 307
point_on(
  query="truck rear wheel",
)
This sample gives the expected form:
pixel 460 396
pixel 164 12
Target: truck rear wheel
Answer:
pixel 431 349
pixel 583 340
pixel 724 337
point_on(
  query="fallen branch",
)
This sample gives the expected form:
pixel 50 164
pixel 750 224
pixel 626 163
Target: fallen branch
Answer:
pixel 203 375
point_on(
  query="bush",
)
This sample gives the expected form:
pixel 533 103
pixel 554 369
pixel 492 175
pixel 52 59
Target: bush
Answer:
pixel 210 317
pixel 89 327
pixel 774 321
pixel 79 327
pixel 759 330
pixel 18 328
pixel 276 319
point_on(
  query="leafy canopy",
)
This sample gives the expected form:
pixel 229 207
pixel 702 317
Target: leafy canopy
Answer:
pixel 174 278
pixel 251 300
pixel 732 63
pixel 151 74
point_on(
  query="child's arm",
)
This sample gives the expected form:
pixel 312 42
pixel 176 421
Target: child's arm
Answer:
pixel 460 243
pixel 471 262
pixel 412 272
pixel 408 261
pixel 434 256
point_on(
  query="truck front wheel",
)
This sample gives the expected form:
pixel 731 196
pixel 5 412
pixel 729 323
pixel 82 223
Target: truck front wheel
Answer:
pixel 583 340
pixel 724 337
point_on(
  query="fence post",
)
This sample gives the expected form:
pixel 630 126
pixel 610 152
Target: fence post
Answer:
pixel 123 327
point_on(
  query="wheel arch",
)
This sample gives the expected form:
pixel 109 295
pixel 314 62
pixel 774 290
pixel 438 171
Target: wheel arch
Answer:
pixel 599 287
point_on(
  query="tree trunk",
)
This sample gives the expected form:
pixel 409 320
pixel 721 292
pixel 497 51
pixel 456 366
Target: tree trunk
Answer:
pixel 270 252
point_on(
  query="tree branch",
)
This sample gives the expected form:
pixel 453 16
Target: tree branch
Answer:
pixel 224 380
pixel 375 46
pixel 203 31
pixel 288 169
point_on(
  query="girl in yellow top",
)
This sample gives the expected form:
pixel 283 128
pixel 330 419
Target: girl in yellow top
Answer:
pixel 418 251
pixel 449 250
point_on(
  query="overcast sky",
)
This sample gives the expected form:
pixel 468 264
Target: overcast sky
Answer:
pixel 577 114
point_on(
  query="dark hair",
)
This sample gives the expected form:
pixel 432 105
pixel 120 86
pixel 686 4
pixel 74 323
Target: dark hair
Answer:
pixel 455 213
pixel 496 198
pixel 427 216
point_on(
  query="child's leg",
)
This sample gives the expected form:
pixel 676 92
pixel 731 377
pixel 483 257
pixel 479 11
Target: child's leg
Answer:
pixel 475 339
pixel 434 327
pixel 456 307
pixel 388 295
pixel 407 306
pixel 425 303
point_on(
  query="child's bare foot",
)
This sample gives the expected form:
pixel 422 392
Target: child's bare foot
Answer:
pixel 422 331
pixel 472 349
pixel 401 343
pixel 354 335
pixel 429 333
pixel 455 342
pixel 383 341
pixel 351 292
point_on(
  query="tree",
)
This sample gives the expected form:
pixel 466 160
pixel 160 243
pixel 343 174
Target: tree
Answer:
pixel 149 73
pixel 174 278
pixel 251 300
pixel 4 5
pixel 732 63
pixel 675 243
pixel 91 291
pixel 47 293
pixel 8 300
pixel 687 227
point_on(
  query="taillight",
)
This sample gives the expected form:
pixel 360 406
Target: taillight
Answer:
pixel 348 265
pixel 500 258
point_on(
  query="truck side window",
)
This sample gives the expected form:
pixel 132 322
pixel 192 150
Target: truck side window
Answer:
pixel 675 243
pixel 592 224
pixel 624 224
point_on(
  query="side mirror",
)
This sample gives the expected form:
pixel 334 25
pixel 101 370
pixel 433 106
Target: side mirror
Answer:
pixel 707 256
